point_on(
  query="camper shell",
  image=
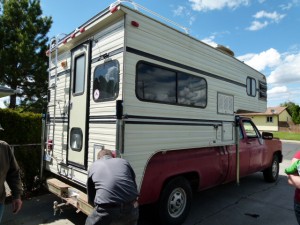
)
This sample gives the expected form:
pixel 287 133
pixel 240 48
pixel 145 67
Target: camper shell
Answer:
pixel 128 82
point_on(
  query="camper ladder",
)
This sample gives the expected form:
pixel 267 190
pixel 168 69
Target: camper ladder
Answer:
pixel 52 88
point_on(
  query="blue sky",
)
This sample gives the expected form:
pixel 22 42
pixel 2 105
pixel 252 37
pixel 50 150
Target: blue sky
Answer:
pixel 265 34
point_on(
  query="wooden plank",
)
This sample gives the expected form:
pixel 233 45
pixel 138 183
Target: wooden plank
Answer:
pixel 71 195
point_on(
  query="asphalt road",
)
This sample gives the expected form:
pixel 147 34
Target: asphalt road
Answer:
pixel 253 202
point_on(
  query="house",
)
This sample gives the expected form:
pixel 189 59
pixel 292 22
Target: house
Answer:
pixel 5 91
pixel 272 119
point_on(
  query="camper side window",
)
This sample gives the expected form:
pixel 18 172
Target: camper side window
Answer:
pixel 163 85
pixel 106 81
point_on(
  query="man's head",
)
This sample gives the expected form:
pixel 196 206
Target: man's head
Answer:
pixel 104 152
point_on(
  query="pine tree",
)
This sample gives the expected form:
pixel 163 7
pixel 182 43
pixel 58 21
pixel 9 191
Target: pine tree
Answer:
pixel 23 43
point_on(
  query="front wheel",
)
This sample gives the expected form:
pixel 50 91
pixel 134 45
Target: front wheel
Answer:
pixel 271 173
pixel 175 201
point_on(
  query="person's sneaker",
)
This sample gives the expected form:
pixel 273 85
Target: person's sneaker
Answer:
pixel 293 168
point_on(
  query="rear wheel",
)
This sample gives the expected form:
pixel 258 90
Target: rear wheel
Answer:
pixel 271 173
pixel 175 201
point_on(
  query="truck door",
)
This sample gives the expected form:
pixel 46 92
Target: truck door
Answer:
pixel 253 143
pixel 78 110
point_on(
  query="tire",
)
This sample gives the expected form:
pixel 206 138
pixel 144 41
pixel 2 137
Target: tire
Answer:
pixel 175 201
pixel 271 173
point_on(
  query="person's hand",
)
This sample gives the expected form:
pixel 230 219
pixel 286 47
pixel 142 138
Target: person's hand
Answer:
pixel 16 205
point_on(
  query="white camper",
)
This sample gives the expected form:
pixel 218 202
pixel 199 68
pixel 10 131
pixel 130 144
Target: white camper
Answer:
pixel 128 82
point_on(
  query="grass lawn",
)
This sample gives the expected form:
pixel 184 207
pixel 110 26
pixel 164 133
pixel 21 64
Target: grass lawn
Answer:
pixel 287 136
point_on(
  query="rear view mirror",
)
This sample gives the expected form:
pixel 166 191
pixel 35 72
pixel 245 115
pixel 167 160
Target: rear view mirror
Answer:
pixel 267 135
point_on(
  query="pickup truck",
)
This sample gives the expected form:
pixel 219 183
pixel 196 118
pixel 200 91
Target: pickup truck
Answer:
pixel 208 167
pixel 171 176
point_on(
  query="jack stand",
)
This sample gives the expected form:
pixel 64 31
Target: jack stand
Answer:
pixel 58 207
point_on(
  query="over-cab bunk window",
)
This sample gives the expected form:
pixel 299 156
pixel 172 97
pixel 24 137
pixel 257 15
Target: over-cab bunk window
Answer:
pixel 159 84
pixel 251 86
pixel 106 81
pixel 262 90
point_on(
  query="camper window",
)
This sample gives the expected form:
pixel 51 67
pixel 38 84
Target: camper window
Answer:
pixel 76 139
pixel 262 90
pixel 79 75
pixel 163 85
pixel 106 81
pixel 251 86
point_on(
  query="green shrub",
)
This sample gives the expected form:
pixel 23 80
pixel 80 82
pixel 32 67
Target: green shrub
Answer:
pixel 22 130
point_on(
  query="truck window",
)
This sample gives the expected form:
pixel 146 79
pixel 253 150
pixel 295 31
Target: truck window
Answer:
pixel 250 130
pixel 241 134
pixel 106 81
pixel 163 85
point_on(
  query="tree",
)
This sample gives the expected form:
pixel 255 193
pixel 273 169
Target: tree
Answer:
pixel 294 111
pixel 23 43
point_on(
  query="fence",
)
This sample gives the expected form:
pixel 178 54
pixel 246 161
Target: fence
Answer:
pixel 291 128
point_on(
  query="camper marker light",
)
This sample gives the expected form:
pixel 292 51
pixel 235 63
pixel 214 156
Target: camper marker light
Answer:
pixel 73 35
pixel 113 9
pixel 135 24
pixel 82 29
pixel 63 64
pixel 50 144
pixel 65 40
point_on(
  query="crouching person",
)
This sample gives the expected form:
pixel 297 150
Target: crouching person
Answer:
pixel 112 189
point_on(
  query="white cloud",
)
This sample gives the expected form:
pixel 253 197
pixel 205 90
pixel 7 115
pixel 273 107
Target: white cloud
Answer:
pixel 261 61
pixel 206 5
pixel 256 25
pixel 268 18
pixel 274 16
pixel 183 11
pixel 278 90
pixel 289 5
pixel 179 11
pixel 210 41
pixel 288 71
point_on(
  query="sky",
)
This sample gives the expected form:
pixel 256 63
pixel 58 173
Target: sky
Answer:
pixel 265 34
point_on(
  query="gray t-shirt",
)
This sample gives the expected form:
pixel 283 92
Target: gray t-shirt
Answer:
pixel 111 180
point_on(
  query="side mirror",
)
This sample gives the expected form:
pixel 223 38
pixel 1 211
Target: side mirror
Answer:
pixel 267 135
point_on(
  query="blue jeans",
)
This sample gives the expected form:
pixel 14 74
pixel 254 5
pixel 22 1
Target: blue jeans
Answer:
pixel 297 211
pixel 113 216
pixel 1 211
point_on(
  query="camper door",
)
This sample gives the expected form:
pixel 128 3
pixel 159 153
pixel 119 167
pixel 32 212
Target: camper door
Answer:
pixel 77 129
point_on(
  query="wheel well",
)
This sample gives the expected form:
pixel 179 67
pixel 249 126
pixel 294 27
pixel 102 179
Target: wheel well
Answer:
pixel 191 177
pixel 279 155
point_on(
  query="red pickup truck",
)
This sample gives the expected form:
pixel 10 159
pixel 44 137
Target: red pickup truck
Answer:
pixel 208 167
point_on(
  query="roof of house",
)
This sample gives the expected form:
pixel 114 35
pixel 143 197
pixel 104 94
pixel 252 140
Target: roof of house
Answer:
pixel 270 111
pixel 5 91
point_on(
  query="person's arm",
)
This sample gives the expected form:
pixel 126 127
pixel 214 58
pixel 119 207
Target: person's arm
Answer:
pixel 91 191
pixel 132 174
pixel 13 180
pixel 294 180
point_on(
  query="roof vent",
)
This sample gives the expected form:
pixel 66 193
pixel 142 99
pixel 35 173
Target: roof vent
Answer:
pixel 225 50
